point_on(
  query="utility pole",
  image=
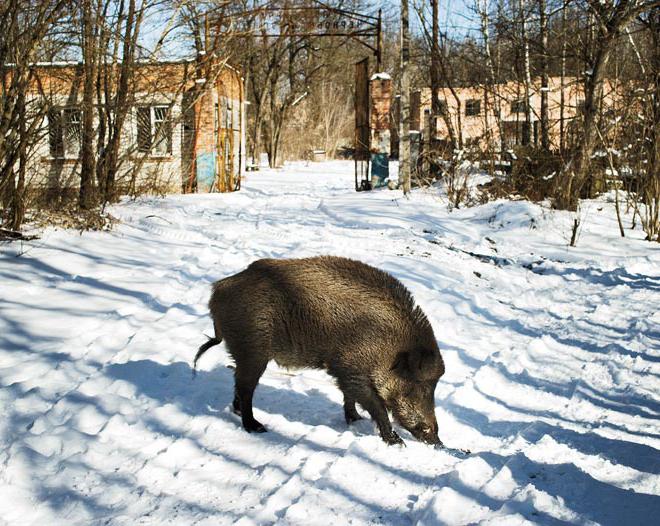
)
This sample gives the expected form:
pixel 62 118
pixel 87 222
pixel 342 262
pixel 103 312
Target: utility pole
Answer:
pixel 404 103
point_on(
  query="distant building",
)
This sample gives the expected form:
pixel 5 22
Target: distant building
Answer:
pixel 479 107
pixel 182 133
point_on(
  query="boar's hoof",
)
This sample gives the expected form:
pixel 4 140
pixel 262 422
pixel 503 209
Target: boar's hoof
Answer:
pixel 393 439
pixel 352 418
pixel 254 427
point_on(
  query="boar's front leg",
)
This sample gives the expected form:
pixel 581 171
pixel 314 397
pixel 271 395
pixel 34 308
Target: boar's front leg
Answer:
pixel 246 378
pixel 361 391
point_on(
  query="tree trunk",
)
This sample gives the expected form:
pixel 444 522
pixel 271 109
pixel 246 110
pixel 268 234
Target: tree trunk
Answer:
pixel 404 124
pixel 435 76
pixel 18 197
pixel 545 119
pixel 579 180
pixel 122 100
pixel 491 90
pixel 527 131
pixel 562 101
pixel 87 198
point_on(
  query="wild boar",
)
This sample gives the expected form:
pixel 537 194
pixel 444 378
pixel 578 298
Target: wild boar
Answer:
pixel 358 323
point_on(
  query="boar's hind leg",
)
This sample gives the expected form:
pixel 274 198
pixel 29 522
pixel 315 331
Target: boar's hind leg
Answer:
pixel 350 413
pixel 246 377
pixel 365 395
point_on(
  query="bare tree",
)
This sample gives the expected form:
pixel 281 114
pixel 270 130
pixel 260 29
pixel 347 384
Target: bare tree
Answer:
pixel 544 67
pixel 610 17
pixel 25 25
pixel 404 123
pixel 115 89
pixel 89 20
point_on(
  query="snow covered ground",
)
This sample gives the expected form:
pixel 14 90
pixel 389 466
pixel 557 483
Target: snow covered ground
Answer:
pixel 552 355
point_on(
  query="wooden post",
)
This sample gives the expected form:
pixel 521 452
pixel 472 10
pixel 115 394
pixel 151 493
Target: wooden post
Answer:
pixel 404 123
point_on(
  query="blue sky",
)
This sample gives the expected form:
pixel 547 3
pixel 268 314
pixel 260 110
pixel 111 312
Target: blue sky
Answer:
pixel 455 19
pixel 455 16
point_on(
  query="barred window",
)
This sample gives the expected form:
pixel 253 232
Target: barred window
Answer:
pixel 73 131
pixel 64 132
pixel 154 130
pixel 144 129
pixel 55 136
pixel 162 130
pixel 518 106
pixel 472 107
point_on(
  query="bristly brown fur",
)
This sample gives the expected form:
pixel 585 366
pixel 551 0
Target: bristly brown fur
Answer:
pixel 358 323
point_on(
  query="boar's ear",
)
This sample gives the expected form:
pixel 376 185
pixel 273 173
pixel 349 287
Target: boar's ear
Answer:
pixel 420 364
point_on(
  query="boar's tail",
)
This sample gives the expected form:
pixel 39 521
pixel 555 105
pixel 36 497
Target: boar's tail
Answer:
pixel 202 349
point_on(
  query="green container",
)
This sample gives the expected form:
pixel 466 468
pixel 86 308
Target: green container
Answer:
pixel 380 170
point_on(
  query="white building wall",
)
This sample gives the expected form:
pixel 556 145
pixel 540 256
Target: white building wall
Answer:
pixel 161 172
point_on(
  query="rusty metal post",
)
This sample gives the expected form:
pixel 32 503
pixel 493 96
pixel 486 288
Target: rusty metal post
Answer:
pixel 379 42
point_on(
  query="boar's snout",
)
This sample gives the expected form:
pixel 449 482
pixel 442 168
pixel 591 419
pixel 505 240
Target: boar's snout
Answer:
pixel 426 433
pixel 415 411
pixel 422 425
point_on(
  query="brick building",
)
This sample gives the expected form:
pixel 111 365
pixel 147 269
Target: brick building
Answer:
pixel 184 132
pixel 479 108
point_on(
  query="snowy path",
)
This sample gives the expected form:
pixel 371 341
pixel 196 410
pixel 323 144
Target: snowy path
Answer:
pixel 553 367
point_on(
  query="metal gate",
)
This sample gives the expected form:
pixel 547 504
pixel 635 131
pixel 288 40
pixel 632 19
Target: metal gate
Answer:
pixel 362 134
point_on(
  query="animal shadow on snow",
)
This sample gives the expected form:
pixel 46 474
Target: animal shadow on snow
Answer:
pixel 211 393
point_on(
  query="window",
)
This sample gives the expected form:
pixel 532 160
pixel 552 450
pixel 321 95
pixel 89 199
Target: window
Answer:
pixel 73 132
pixel 579 107
pixel 64 132
pixel 55 139
pixel 162 130
pixel 144 129
pixel 472 107
pixel 154 130
pixel 442 107
pixel 227 113
pixel 518 106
